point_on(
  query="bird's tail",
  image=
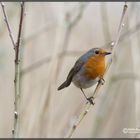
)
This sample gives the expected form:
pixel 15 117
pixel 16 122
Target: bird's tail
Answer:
pixel 64 85
pixel 68 80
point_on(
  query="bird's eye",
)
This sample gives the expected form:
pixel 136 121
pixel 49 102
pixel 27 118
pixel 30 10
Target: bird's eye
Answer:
pixel 97 52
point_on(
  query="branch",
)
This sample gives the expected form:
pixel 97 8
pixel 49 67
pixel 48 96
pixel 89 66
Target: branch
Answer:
pixel 97 89
pixel 7 23
pixel 17 76
pixel 15 131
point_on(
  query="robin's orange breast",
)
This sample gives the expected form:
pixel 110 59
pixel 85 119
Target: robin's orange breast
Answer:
pixel 95 67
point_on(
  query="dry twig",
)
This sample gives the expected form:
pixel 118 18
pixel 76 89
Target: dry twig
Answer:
pixel 16 46
pixel 88 105
pixel 17 75
pixel 8 25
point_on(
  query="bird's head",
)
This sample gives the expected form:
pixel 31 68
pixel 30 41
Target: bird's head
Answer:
pixel 100 52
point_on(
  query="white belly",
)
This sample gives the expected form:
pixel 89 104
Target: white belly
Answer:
pixel 83 82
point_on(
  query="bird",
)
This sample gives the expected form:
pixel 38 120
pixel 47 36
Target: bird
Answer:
pixel 87 71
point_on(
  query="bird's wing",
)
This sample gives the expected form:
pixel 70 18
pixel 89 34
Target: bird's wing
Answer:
pixel 72 72
pixel 78 65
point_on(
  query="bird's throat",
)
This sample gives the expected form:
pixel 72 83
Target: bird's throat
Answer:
pixel 95 67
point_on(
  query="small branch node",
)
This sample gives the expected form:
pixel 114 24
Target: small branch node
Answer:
pixel 17 61
pixel 86 111
pixel 74 126
pixel 13 131
pixel 125 6
pixel 16 115
pixel 123 25
pixel 2 4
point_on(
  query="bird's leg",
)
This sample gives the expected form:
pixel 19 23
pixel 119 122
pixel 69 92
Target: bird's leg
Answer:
pixel 89 99
pixel 101 80
pixel 84 93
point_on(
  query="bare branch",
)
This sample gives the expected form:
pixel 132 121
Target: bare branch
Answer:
pixel 8 25
pixel 88 105
pixel 17 76
pixel 19 33
pixel 15 131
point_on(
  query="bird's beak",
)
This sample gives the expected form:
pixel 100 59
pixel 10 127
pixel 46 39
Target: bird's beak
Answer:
pixel 107 53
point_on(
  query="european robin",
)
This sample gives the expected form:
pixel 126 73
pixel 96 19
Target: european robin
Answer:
pixel 87 71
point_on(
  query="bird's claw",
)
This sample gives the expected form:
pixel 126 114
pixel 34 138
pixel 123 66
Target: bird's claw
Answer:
pixel 90 100
pixel 102 81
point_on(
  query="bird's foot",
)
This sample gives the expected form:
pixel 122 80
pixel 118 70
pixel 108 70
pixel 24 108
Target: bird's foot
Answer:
pixel 102 81
pixel 90 100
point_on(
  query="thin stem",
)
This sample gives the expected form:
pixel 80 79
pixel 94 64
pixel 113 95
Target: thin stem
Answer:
pixel 17 77
pixel 16 46
pixel 8 25
pixel 98 87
